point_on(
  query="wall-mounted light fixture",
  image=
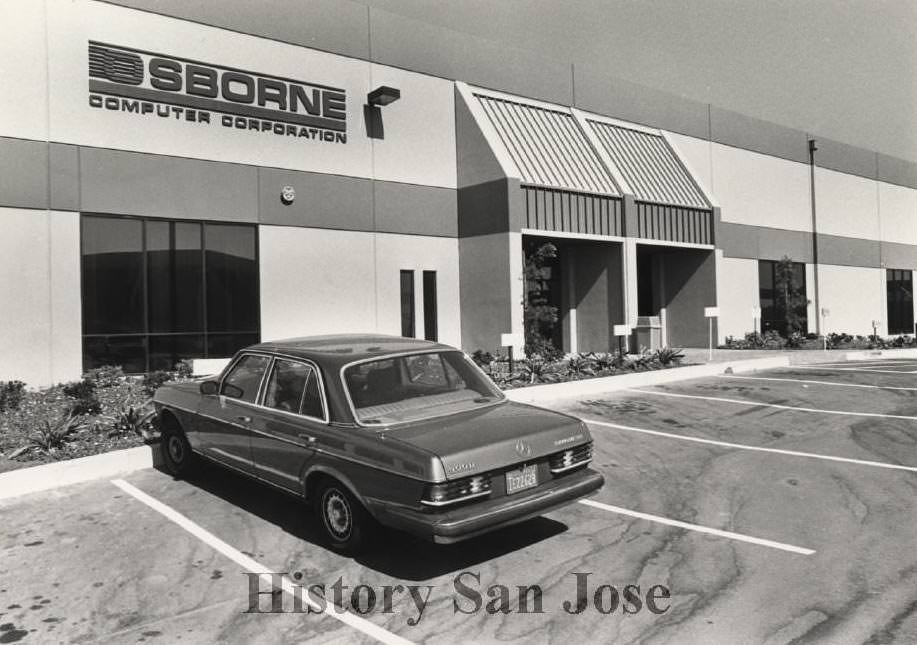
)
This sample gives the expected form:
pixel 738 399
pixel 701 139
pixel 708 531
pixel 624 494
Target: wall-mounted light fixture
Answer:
pixel 383 95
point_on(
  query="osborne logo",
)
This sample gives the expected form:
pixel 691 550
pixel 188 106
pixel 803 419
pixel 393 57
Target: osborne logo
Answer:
pixel 148 84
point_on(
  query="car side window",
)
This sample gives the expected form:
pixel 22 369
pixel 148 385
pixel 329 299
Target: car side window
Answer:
pixel 243 380
pixel 293 387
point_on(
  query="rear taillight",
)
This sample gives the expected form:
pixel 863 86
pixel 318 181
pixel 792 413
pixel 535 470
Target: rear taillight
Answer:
pixel 571 458
pixel 457 491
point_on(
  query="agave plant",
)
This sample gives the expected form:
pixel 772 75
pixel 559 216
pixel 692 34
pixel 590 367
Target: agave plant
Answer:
pixel 129 419
pixel 669 356
pixel 53 435
pixel 580 365
pixel 538 370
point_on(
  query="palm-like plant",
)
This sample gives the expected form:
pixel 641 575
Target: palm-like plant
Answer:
pixel 53 435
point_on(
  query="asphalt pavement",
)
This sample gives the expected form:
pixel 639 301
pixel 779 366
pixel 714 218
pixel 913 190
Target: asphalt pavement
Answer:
pixel 771 507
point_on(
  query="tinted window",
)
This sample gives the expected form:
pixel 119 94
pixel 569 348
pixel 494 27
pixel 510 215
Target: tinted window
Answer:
pixel 407 304
pixel 900 301
pixel 243 381
pixel 773 297
pixel 148 301
pixel 430 331
pixel 232 278
pixel 112 263
pixel 174 277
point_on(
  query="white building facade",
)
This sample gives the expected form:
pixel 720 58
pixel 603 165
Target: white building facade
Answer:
pixel 178 182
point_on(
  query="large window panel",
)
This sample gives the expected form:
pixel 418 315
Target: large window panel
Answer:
pixel 175 276
pixel 149 301
pixel 430 315
pixel 232 278
pixel 772 299
pixel 112 266
pixel 900 301
pixel 407 304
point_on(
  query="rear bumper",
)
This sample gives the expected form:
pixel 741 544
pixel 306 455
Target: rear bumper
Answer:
pixel 476 518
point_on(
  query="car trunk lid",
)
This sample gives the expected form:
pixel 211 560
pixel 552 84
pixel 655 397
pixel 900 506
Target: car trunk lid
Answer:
pixel 496 437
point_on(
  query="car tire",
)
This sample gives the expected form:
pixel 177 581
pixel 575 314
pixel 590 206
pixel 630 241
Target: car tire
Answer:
pixel 345 523
pixel 177 456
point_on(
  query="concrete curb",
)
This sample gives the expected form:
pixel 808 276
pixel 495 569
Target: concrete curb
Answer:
pixel 539 394
pixel 871 354
pixel 76 471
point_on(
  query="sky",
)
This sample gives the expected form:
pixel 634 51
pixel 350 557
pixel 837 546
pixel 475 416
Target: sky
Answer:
pixel 842 69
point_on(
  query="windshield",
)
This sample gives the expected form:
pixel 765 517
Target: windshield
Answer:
pixel 417 386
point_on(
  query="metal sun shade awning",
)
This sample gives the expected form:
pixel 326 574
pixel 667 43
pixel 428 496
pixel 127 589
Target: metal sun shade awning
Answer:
pixel 569 187
pixel 566 185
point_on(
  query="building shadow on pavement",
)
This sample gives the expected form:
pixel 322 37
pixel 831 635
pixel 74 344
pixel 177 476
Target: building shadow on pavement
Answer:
pixel 392 553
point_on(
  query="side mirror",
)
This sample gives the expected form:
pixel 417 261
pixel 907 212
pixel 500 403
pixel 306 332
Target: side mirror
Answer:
pixel 209 387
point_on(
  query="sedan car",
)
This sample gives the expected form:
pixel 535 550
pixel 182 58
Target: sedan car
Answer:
pixel 373 430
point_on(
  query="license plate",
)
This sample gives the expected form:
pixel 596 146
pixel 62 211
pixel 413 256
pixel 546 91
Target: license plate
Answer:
pixel 517 480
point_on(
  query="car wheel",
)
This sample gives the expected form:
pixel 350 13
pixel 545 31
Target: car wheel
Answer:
pixel 177 455
pixel 345 522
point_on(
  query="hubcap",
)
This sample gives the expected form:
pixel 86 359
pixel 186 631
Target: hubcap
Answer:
pixel 176 449
pixel 337 514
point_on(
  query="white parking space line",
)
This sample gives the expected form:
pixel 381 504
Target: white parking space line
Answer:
pixel 796 380
pixel 700 529
pixel 877 363
pixel 254 566
pixel 779 451
pixel 854 369
pixel 774 405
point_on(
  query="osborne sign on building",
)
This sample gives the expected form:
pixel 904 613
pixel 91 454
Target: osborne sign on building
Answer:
pixel 154 85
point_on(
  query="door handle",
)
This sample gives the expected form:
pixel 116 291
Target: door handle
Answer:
pixel 309 438
pixel 244 419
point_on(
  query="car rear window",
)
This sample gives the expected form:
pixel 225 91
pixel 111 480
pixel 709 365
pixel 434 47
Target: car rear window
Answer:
pixel 417 386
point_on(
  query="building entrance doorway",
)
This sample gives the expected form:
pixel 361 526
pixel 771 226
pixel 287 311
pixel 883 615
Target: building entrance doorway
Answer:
pixel 583 283
pixel 674 284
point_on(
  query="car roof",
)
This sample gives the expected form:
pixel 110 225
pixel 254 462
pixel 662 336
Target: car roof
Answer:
pixel 339 349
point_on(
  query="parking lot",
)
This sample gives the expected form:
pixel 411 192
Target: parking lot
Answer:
pixel 775 507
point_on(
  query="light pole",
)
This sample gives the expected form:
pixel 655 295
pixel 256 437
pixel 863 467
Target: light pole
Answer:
pixel 812 149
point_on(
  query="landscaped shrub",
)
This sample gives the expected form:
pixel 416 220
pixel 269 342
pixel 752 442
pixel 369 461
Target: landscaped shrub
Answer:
pixel 51 434
pixel 773 340
pixel 154 380
pixel 84 397
pixel 667 356
pixel 184 369
pixel 603 361
pixel 579 365
pixel 11 395
pixel 795 340
pixel 104 411
pixel 106 376
pixel 482 358
pixel 134 420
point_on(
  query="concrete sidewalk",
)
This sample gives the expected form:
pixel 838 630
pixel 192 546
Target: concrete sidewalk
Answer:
pixel 795 356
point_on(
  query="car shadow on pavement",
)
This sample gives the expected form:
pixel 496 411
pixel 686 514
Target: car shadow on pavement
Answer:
pixel 392 553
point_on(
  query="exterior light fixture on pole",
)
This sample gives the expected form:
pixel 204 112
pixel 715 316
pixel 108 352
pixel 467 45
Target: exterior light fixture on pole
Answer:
pixel 383 95
pixel 710 313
